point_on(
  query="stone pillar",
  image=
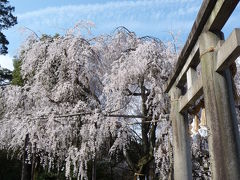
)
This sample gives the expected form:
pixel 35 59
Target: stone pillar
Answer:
pixel 181 148
pixel 220 113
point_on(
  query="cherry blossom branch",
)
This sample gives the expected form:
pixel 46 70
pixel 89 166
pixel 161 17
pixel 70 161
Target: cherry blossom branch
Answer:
pixel 31 31
pixel 124 104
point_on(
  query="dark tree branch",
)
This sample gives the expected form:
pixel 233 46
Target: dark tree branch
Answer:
pixel 130 93
pixel 86 113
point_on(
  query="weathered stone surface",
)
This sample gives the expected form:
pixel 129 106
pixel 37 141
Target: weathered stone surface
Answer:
pixel 229 51
pixel 181 147
pixel 220 114
pixel 212 16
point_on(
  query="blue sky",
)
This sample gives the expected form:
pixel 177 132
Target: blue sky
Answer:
pixel 145 17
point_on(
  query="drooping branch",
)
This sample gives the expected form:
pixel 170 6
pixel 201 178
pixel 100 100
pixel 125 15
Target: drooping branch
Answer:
pixel 31 31
pixel 134 132
pixel 125 105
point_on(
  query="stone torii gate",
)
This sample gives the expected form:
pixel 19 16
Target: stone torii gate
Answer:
pixel 206 47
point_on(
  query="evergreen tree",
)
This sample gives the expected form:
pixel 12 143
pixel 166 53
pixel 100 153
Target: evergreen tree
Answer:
pixel 16 74
pixel 5 76
pixel 6 20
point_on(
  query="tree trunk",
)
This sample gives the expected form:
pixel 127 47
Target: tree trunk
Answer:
pixel 145 126
pixel 33 163
pixel 26 168
pixel 148 137
pixel 94 177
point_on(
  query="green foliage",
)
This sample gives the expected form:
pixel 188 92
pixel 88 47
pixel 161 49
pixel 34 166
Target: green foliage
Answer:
pixel 56 36
pixel 103 171
pixel 10 168
pixel 5 76
pixel 16 74
pixel 45 37
pixel 6 20
pixel 50 176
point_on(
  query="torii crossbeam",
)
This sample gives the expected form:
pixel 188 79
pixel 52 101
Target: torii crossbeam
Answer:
pixel 207 48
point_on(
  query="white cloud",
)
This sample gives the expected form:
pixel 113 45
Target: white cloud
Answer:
pixel 113 12
pixel 144 17
pixel 109 6
pixel 6 61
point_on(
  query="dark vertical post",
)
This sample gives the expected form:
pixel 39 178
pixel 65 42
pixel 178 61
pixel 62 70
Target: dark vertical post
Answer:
pixel 220 113
pixel 181 148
